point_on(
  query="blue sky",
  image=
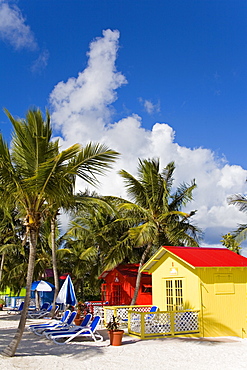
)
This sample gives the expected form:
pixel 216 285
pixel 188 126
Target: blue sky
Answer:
pixel 175 76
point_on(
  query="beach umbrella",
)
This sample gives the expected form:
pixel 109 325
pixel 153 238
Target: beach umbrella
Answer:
pixel 66 294
pixel 42 286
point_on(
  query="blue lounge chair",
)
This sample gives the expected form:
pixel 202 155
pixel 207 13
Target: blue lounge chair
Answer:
pixel 39 328
pixel 89 331
pixel 16 310
pixel 70 326
pixel 42 313
pixel 147 317
pixel 65 326
pixel 151 316
pixel 43 308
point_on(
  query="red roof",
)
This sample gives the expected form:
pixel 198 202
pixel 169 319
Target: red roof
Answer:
pixel 130 269
pixel 208 257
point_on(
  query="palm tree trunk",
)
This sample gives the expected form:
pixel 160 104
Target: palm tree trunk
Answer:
pixel 82 289
pixel 54 262
pixel 10 350
pixel 1 267
pixel 138 278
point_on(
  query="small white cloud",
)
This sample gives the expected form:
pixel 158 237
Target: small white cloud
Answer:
pixel 217 92
pixel 216 76
pixel 40 63
pixel 13 28
pixel 149 106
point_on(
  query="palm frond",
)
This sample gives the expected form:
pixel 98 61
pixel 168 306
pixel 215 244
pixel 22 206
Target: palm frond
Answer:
pixel 135 189
pixel 167 175
pixel 92 160
pixel 143 234
pixel 238 200
pixel 183 195
pixel 240 234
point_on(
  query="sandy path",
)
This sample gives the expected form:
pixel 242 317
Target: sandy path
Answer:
pixel 169 354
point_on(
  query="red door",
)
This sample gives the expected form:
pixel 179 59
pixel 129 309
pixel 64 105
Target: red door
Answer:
pixel 104 295
pixel 116 295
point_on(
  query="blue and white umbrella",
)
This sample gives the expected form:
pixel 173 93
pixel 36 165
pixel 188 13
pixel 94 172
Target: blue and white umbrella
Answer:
pixel 42 286
pixel 66 294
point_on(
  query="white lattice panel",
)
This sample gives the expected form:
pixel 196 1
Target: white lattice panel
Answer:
pixel 108 314
pixel 160 323
pixel 122 313
pixel 141 309
pixel 98 311
pixel 186 321
pixel 135 322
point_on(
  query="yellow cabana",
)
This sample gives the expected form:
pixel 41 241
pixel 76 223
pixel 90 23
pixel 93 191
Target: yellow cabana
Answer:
pixel 212 280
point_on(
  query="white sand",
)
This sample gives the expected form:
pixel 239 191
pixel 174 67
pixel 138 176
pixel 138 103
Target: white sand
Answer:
pixel 169 353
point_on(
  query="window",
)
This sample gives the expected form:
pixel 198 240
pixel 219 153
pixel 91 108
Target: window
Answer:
pixel 174 294
pixel 146 288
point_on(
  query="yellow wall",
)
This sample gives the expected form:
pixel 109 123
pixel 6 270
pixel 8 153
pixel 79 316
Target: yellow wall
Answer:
pixel 220 294
pixel 191 284
pixel 7 291
pixel 224 301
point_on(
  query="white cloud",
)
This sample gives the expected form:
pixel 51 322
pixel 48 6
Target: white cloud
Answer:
pixel 41 62
pixel 82 110
pixel 149 107
pixel 13 28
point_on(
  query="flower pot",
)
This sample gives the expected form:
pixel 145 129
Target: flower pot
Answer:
pixel 78 321
pixel 115 337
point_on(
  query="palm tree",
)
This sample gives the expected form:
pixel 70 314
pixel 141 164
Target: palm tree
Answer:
pixel 240 201
pixel 8 234
pixel 11 234
pixel 155 212
pixel 229 241
pixel 34 175
pixel 31 148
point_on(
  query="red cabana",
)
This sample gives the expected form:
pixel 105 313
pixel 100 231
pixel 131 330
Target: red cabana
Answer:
pixel 119 286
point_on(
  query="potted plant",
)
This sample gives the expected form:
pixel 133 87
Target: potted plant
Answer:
pixel 115 334
pixel 2 303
